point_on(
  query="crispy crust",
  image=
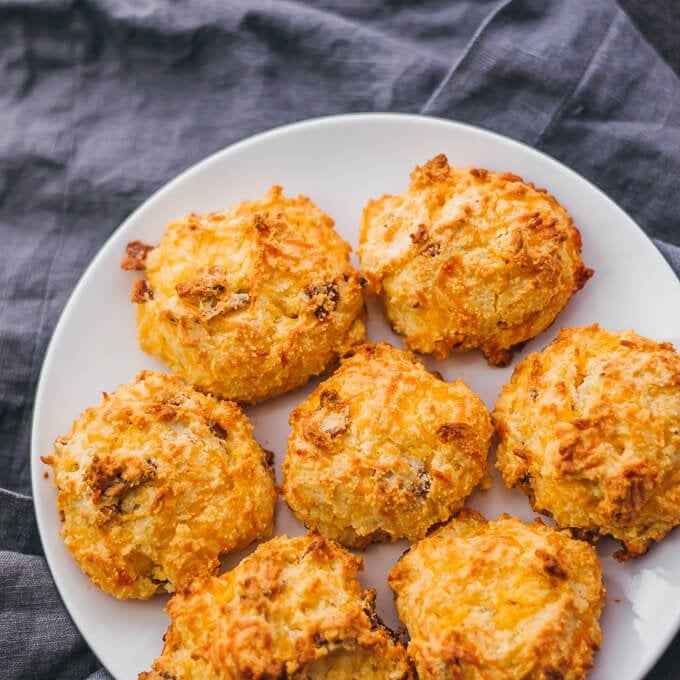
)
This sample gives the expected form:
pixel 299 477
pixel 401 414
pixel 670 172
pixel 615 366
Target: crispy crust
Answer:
pixel 470 258
pixel 292 609
pixel 500 600
pixel 383 449
pixel 589 429
pixel 250 302
pixel 156 482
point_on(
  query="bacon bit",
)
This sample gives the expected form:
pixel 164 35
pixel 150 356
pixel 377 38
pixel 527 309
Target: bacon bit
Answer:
pixel 419 235
pixel 431 249
pixel 421 486
pixel 552 673
pixel 436 169
pixel 623 555
pixel 141 292
pixel 534 220
pixel 329 398
pixel 521 453
pixel 629 490
pixel 207 283
pixel 450 431
pixel 209 291
pixel 135 256
pixel 479 173
pixel 498 356
pixel 110 479
pixel 551 565
pixel 46 475
pixel 582 276
pixel 325 296
pixel 331 419
pixel 335 427
pixel 260 223
pixel 218 430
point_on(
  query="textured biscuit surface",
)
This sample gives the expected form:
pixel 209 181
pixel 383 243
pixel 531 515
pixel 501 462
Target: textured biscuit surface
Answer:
pixel 470 258
pixel 589 428
pixel 156 482
pixel 383 449
pixel 500 600
pixel 292 609
pixel 250 302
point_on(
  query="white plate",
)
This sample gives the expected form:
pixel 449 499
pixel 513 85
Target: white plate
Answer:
pixel 340 162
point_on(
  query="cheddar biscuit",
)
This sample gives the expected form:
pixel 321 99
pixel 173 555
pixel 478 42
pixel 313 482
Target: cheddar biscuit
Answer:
pixel 499 600
pixel 589 429
pixel 156 482
pixel 249 302
pixel 470 258
pixel 383 449
pixel 293 609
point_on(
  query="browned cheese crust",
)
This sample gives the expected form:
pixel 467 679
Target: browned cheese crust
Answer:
pixel 589 429
pixel 500 600
pixel 293 609
pixel 383 449
pixel 250 302
pixel 470 258
pixel 156 482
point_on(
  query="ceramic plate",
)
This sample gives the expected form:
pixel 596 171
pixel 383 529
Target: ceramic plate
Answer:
pixel 340 162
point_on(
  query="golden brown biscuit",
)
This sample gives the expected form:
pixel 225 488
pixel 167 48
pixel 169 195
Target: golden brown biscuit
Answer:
pixel 500 600
pixel 383 449
pixel 470 258
pixel 156 482
pixel 250 302
pixel 293 609
pixel 589 429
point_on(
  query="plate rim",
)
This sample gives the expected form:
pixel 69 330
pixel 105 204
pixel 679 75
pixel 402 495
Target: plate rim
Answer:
pixel 663 641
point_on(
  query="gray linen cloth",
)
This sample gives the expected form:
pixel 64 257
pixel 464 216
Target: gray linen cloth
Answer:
pixel 103 101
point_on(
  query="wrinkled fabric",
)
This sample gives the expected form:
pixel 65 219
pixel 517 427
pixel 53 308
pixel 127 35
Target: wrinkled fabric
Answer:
pixel 103 101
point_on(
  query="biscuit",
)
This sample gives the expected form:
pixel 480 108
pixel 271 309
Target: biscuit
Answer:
pixel 293 609
pixel 383 449
pixel 470 258
pixel 500 600
pixel 249 302
pixel 589 429
pixel 156 482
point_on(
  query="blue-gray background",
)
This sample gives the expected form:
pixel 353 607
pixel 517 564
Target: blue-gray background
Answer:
pixel 103 101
